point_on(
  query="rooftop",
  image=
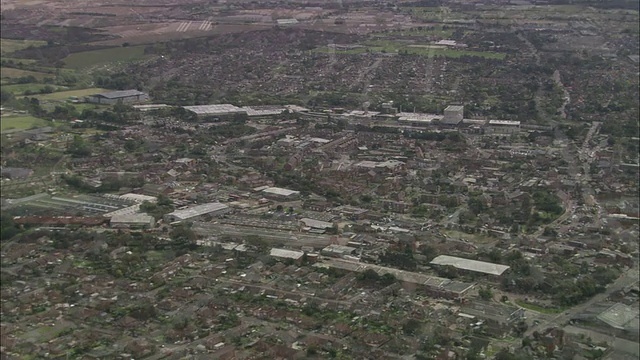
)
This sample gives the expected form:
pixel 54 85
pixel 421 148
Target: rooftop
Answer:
pixel 139 198
pixel 120 94
pixel 132 218
pixel 504 122
pixel 280 191
pixel 217 109
pixel 316 223
pixel 454 108
pixel 339 249
pixel 198 210
pixel 471 265
pixel 420 117
pixel 288 254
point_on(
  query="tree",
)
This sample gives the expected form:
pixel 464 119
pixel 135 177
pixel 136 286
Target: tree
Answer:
pixel 411 327
pixel 485 293
pixel 78 147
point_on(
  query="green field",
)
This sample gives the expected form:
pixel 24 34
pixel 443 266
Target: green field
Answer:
pixel 105 56
pixel 64 95
pixel 7 72
pixel 8 46
pixel 19 89
pixel 21 122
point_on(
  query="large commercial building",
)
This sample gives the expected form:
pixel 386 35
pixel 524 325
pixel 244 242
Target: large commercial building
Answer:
pixel 197 212
pixel 220 111
pixel 277 193
pixel 470 265
pixel 140 221
pixel 123 96
pixel 502 127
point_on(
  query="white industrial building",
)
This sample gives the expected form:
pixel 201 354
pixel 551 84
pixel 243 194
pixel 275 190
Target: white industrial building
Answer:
pixel 195 212
pixel 220 110
pixel 284 254
pixel 277 193
pixel 316 224
pixel 141 221
pixel 502 127
pixel 470 265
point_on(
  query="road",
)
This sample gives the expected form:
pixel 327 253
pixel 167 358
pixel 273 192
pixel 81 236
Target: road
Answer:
pixel 628 278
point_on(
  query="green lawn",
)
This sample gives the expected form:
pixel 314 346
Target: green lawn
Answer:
pixel 8 46
pixel 105 56
pixel 64 95
pixel 21 122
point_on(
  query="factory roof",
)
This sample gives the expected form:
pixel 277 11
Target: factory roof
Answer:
pixel 198 210
pixel 280 191
pixel 139 198
pixel 288 254
pixel 263 110
pixel 132 219
pixel 133 209
pixel 620 316
pixel 471 265
pixel 149 107
pixel 339 249
pixel 217 109
pixel 454 108
pixel 120 94
pixel 504 122
pixel 287 21
pixel 419 117
pixel 316 223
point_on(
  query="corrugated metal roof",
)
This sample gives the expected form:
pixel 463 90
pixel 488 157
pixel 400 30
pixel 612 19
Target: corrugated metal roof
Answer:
pixel 471 265
pixel 288 254
pixel 198 210
pixel 120 94
pixel 280 191
pixel 216 109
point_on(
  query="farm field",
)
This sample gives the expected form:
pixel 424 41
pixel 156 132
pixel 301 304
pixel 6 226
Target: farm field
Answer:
pixel 21 122
pixel 91 58
pixel 7 72
pixel 7 46
pixel 63 95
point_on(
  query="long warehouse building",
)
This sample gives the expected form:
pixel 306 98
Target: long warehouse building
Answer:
pixel 197 212
pixel 470 265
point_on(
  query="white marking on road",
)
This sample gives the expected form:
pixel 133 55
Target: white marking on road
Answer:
pixel 187 26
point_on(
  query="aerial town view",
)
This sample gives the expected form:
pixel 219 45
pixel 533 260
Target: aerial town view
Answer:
pixel 320 179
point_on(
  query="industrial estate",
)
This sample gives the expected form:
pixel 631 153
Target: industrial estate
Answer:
pixel 320 180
